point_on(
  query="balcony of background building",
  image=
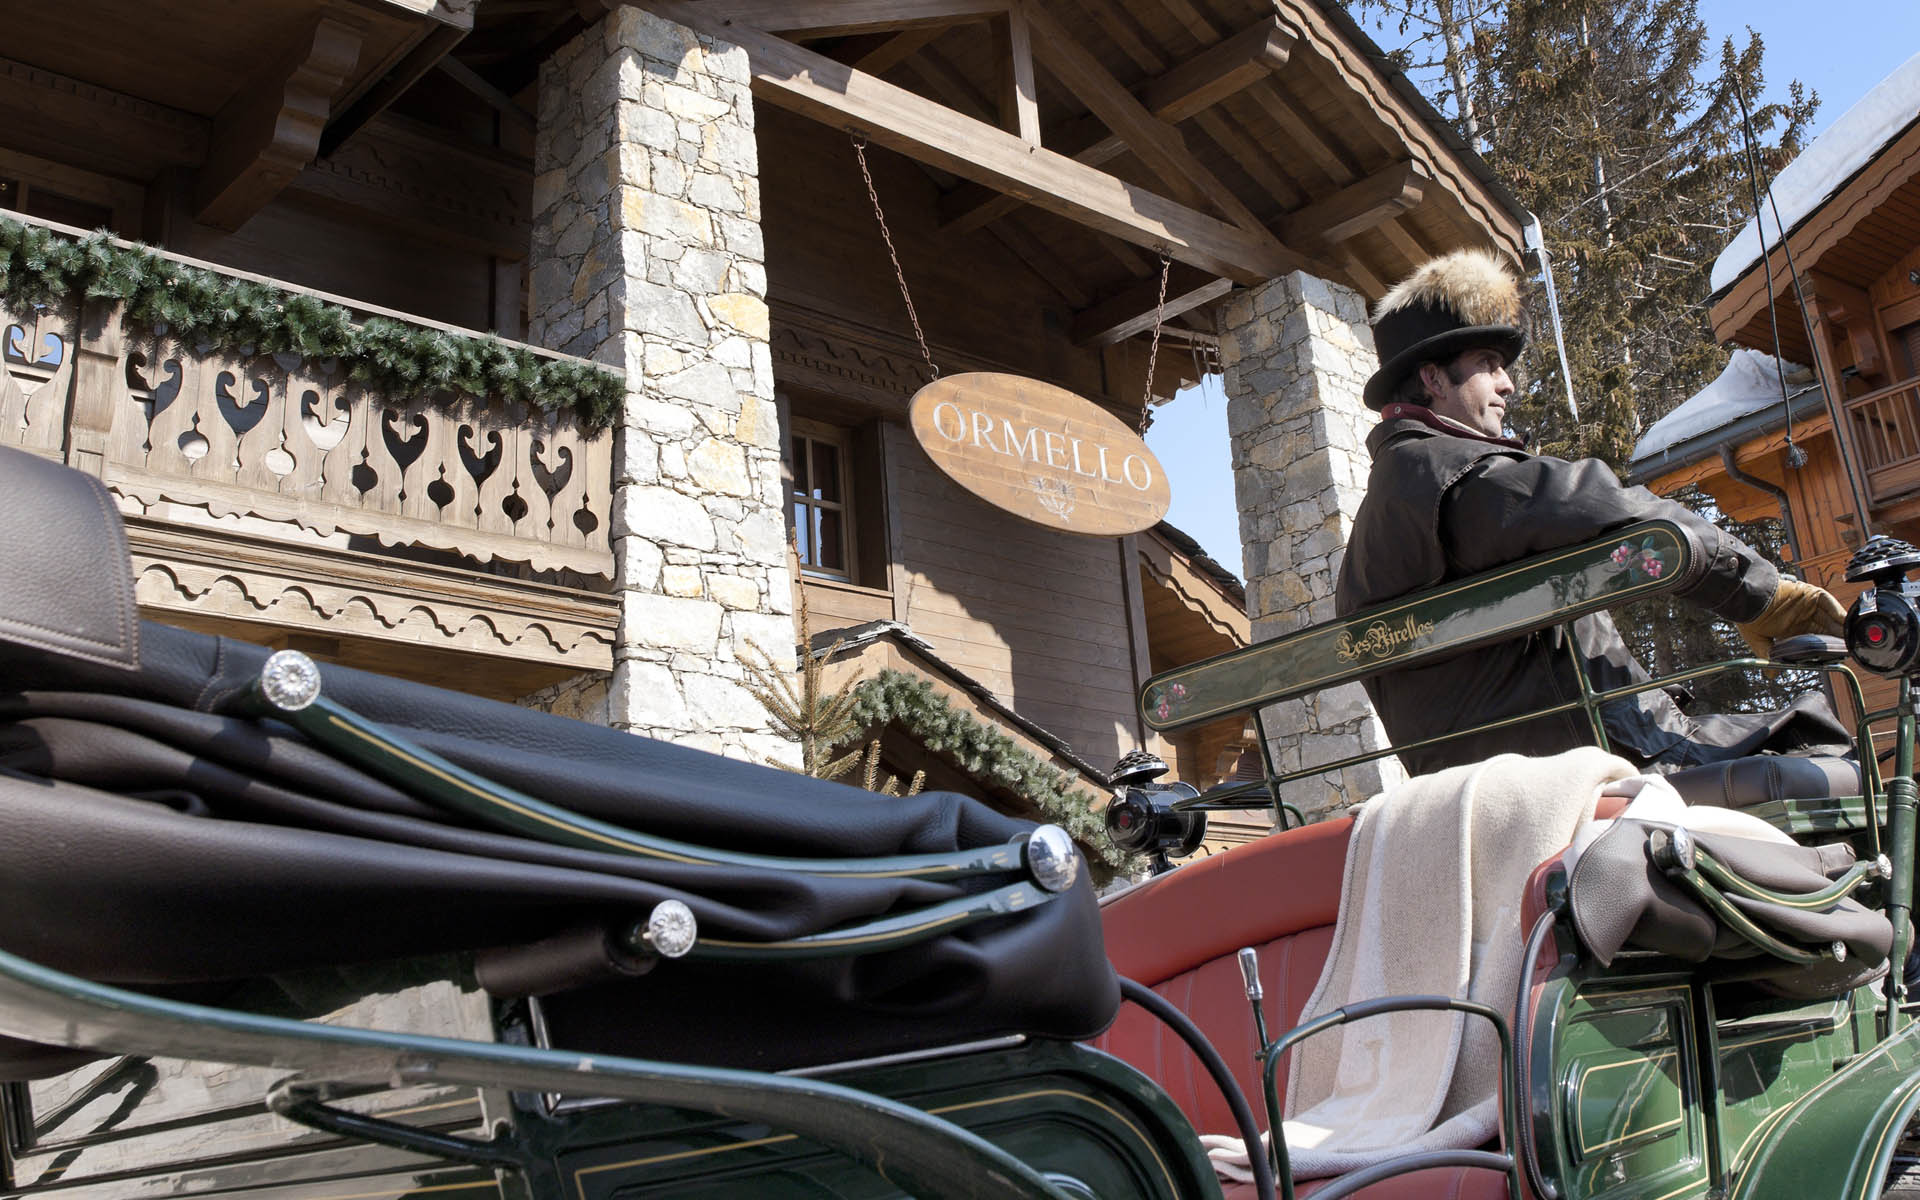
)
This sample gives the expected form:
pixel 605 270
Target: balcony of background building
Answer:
pixel 449 535
pixel 1885 424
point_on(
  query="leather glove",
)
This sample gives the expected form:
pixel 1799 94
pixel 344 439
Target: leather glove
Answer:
pixel 1795 608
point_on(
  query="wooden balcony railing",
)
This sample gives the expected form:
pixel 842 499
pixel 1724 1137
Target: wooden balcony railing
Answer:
pixel 298 442
pixel 1886 429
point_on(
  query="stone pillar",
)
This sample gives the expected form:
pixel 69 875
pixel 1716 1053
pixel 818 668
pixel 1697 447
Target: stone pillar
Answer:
pixel 647 252
pixel 1296 352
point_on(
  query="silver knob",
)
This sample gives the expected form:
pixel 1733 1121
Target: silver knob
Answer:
pixel 289 680
pixel 671 929
pixel 1051 859
pixel 1250 974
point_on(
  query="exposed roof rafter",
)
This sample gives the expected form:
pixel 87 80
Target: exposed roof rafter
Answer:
pixel 792 77
pixel 1185 91
pixel 801 19
pixel 1133 309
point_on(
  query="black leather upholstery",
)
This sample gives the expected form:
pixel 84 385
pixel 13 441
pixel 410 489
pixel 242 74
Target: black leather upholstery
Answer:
pixel 153 834
pixel 66 584
pixel 1745 782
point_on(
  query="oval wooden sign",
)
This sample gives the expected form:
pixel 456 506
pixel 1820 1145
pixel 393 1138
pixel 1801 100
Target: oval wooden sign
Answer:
pixel 1040 452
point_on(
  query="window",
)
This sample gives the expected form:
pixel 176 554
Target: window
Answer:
pixel 51 205
pixel 1906 341
pixel 822 516
pixel 54 191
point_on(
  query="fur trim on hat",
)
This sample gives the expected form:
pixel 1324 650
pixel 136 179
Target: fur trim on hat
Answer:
pixel 1474 284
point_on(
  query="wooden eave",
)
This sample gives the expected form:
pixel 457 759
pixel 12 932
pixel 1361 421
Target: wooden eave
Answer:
pixel 1190 615
pixel 244 93
pixel 196 57
pixel 1870 223
pixel 1091 136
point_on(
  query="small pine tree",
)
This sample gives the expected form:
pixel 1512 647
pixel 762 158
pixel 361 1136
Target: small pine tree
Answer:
pixel 820 723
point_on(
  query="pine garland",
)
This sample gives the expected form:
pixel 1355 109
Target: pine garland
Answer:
pixel 984 753
pixel 202 308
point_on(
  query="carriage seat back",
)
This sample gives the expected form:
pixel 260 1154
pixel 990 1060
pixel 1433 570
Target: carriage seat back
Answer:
pixel 1179 933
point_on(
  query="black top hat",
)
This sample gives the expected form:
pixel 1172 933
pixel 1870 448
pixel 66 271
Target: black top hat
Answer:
pixel 1457 302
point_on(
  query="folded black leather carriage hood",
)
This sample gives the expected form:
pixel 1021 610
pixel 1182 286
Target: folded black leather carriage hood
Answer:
pixel 150 838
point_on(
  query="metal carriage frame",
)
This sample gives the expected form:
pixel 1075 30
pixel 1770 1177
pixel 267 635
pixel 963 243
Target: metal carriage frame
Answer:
pixel 1039 1120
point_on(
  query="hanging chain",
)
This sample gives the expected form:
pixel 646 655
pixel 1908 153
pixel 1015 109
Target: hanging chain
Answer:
pixel 860 152
pixel 1153 354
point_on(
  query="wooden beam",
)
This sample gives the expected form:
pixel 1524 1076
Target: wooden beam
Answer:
pixel 1407 242
pixel 1040 258
pixel 1134 307
pixel 837 18
pixel 815 86
pixel 1361 275
pixel 1187 90
pixel 1152 140
pixel 1019 98
pixel 435 45
pixel 1850 310
pixel 495 99
pixel 1220 70
pixel 886 51
pixel 1358 207
pixel 271 128
pixel 954 88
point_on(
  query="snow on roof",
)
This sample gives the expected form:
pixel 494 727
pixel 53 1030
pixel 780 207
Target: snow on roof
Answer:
pixel 1748 386
pixel 1826 165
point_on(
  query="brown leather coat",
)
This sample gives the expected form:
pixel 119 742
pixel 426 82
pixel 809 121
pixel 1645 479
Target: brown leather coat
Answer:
pixel 1441 507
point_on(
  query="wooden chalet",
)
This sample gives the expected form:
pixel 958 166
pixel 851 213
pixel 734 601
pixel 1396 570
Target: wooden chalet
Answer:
pixel 1851 206
pixel 665 202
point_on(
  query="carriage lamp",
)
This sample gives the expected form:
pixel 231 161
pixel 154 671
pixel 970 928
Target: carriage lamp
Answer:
pixel 1142 817
pixel 1883 624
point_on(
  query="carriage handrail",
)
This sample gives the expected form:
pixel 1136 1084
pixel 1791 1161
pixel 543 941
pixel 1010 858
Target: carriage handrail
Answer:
pixel 922 1153
pixel 1521 597
pixel 1638 560
pixel 1353 1181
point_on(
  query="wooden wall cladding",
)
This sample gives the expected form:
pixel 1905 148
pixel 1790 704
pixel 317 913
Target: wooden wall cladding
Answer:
pixel 1036 615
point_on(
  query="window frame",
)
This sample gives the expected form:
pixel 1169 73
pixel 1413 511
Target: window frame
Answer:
pixel 123 200
pixel 808 431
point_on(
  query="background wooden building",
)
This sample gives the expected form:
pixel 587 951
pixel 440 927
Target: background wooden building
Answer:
pixel 1851 206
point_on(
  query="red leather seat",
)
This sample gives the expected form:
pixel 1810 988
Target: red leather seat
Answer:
pixel 1179 933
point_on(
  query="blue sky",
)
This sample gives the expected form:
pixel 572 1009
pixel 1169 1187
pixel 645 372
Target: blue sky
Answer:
pixel 1839 48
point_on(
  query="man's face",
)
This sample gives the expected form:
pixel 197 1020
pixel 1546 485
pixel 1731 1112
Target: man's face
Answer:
pixel 1472 390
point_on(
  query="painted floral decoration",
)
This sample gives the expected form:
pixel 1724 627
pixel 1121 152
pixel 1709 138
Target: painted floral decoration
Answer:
pixel 1642 561
pixel 1167 699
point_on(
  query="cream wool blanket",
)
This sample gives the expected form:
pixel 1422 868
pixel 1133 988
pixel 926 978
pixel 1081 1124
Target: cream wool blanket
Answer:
pixel 1429 904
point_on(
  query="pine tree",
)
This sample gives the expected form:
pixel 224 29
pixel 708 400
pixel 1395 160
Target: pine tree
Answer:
pixel 1436 41
pixel 1608 123
pixel 820 721
pixel 1612 125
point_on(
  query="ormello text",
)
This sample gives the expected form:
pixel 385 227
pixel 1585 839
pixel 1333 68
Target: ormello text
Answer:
pixel 1032 444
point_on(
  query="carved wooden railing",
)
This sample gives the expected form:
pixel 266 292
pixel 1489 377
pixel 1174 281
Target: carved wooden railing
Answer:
pixel 298 442
pixel 1886 428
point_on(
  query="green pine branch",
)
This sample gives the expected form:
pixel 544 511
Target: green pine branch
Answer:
pixel 895 697
pixel 204 311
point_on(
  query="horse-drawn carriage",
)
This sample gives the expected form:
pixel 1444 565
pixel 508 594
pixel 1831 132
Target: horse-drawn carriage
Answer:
pixel 634 970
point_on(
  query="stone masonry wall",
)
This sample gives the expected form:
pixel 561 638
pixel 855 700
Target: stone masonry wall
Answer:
pixel 1297 352
pixel 647 252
